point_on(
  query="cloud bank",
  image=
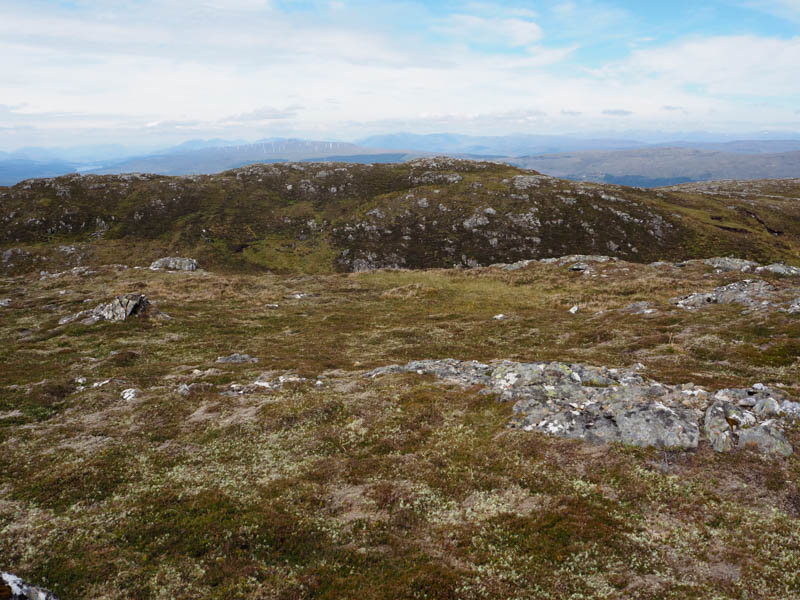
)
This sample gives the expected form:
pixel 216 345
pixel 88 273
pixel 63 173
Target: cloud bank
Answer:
pixel 152 70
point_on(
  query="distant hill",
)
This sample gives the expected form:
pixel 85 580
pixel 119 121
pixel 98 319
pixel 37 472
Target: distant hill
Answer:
pixel 195 161
pixel 512 145
pixel 425 213
pixel 654 167
pixel 605 160
pixel 17 169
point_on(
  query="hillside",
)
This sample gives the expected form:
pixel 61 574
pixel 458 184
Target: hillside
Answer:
pixel 298 401
pixel 429 213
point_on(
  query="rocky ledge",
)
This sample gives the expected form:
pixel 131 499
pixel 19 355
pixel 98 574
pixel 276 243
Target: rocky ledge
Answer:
pixel 13 588
pixel 604 405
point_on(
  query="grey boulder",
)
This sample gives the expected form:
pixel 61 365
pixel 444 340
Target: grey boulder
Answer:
pixel 725 264
pixel 236 358
pixel 728 426
pixel 174 263
pixel 750 292
pixel 119 309
pixel 780 269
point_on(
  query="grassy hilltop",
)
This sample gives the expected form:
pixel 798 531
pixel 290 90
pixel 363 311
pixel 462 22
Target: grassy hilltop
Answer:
pixel 429 213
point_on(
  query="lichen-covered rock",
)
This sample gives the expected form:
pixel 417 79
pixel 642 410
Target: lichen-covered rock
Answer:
pixel 467 373
pixel 119 309
pixel 725 264
pixel 14 588
pixel 780 269
pixel 174 263
pixel 729 426
pixel 768 437
pixel 236 358
pixel 620 405
pixel 750 292
pixel 122 307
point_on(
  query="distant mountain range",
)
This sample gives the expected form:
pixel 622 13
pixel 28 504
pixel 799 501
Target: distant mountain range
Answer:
pixel 654 167
pixel 624 161
pixel 214 159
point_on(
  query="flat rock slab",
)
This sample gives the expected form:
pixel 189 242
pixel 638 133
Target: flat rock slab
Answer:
pixel 599 404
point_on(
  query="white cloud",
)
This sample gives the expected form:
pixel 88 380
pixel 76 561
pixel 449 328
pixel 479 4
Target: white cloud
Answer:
pixel 725 65
pixel 249 70
pixel 787 9
pixel 512 32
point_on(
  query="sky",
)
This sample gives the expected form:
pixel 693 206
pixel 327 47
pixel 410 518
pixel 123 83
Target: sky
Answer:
pixel 159 71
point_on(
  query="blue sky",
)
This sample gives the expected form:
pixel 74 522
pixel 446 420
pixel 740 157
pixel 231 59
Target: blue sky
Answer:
pixel 153 71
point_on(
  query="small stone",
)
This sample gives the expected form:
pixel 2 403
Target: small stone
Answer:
pixel 500 317
pixel 5 302
pixel 574 310
pixel 129 394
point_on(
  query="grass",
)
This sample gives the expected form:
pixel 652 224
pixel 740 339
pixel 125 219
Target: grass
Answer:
pixel 397 487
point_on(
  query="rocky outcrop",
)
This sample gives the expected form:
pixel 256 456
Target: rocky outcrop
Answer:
pixel 620 405
pixel 174 263
pixel 725 264
pixel 780 269
pixel 236 358
pixel 119 309
pixel 749 292
pixel 14 588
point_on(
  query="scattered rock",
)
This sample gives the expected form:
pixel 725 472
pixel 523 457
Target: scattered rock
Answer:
pixel 794 307
pixel 780 269
pixel 639 308
pixel 129 394
pixel 500 317
pixel 579 266
pixel 174 263
pixel 237 358
pixel 579 258
pixel 574 310
pixel 187 390
pixel 4 302
pixel 513 266
pixel 726 264
pixel 619 405
pixel 466 373
pixel 750 292
pixel 14 588
pixel 265 382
